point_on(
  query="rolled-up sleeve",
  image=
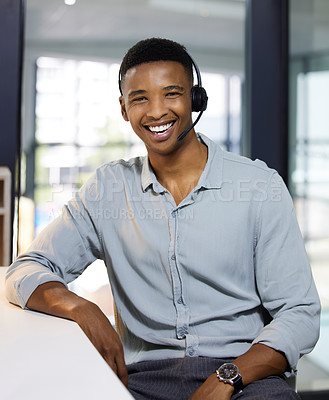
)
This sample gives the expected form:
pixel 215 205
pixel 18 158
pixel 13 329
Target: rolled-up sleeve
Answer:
pixel 284 277
pixel 61 251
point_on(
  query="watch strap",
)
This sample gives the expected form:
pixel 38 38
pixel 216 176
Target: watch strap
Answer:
pixel 237 383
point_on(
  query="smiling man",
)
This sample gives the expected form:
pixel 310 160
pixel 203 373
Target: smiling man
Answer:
pixel 209 274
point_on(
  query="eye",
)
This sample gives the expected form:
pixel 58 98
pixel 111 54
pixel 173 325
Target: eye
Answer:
pixel 139 99
pixel 173 94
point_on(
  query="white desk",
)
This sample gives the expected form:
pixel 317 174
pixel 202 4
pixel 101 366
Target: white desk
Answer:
pixel 48 358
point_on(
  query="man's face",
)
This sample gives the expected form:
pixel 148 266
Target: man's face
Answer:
pixel 157 102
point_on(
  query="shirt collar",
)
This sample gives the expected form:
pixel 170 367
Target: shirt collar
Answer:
pixel 149 178
pixel 211 177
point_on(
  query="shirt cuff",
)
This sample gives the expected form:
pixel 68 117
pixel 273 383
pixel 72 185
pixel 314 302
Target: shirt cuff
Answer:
pixel 22 282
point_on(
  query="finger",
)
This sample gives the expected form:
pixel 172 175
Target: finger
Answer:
pixel 122 370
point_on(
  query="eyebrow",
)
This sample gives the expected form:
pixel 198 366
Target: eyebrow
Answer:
pixel 174 87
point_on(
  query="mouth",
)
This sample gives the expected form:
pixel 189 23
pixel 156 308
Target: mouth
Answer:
pixel 159 130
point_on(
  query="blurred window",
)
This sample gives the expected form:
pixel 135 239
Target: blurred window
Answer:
pixel 309 161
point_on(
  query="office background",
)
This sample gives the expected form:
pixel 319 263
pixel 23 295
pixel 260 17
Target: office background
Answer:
pixel 264 63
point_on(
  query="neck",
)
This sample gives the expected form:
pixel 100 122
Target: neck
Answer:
pixel 182 167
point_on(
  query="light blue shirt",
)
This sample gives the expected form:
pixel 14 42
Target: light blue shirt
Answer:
pixel 192 279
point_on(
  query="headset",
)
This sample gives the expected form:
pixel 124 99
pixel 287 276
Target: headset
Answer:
pixel 199 98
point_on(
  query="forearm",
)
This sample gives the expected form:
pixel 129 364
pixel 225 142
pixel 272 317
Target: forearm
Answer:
pixel 259 362
pixel 55 299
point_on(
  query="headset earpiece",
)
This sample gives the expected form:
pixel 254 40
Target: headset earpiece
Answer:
pixel 199 98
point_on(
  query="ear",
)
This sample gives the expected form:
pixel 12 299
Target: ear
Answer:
pixel 123 108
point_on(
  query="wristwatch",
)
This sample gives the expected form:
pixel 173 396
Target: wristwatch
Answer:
pixel 229 373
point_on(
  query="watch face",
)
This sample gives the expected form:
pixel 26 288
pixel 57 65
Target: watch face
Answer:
pixel 228 371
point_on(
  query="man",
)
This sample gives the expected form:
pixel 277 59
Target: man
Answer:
pixel 206 261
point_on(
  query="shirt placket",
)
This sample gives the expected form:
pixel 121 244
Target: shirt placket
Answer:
pixel 182 309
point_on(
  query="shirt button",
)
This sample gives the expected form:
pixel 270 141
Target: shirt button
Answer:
pixel 173 257
pixel 190 351
pixel 180 301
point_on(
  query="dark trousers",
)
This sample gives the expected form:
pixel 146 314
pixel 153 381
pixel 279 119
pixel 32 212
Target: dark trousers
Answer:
pixel 178 379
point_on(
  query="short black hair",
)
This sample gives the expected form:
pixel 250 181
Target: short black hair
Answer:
pixel 155 49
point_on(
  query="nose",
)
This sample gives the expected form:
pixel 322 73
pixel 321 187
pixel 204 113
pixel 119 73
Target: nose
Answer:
pixel 157 108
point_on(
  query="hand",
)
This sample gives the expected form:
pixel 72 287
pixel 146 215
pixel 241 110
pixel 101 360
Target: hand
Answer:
pixel 102 335
pixel 213 389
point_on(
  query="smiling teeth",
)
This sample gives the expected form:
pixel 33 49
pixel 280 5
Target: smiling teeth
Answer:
pixel 161 128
